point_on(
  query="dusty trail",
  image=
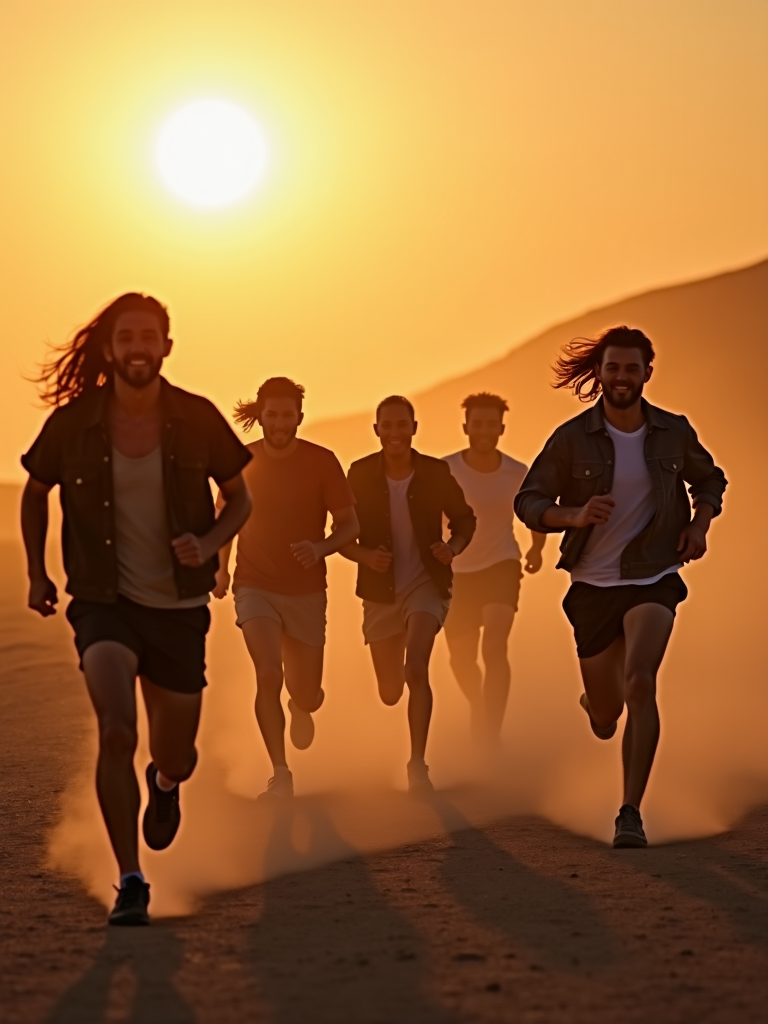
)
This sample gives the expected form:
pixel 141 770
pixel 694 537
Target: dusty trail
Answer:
pixel 515 920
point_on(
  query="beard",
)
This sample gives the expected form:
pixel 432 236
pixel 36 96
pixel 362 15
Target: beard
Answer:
pixel 139 376
pixel 279 437
pixel 624 399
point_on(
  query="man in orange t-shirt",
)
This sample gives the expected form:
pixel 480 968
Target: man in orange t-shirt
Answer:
pixel 279 581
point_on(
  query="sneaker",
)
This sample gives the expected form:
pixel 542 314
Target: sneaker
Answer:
pixel 629 829
pixel 131 903
pixel 602 734
pixel 302 727
pixel 419 782
pixel 279 787
pixel 163 814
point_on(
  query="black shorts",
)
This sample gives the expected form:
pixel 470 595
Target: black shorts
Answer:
pixel 498 584
pixel 169 642
pixel 597 613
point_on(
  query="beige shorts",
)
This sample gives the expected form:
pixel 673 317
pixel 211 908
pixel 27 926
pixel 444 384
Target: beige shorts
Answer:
pixel 382 620
pixel 301 616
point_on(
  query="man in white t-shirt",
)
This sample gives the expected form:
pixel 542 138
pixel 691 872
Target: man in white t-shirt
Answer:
pixel 614 480
pixel 486 577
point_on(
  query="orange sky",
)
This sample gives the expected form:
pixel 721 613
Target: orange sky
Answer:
pixel 447 178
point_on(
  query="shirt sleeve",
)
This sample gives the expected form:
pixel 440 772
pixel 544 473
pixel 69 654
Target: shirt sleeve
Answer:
pixel 228 455
pixel 337 492
pixel 43 460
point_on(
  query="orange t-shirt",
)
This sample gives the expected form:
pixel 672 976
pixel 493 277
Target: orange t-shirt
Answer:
pixel 291 501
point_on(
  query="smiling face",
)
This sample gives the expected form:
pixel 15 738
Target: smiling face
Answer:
pixel 484 427
pixel 622 375
pixel 279 419
pixel 395 429
pixel 137 348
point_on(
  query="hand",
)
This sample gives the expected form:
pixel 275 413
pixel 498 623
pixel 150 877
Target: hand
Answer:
pixel 222 584
pixel 191 550
pixel 597 511
pixel 378 559
pixel 42 596
pixel 444 553
pixel 533 560
pixel 692 543
pixel 306 553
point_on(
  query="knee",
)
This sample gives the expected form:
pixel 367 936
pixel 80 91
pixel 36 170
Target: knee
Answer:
pixel 416 675
pixel 309 702
pixel 269 679
pixel 118 737
pixel 640 689
pixel 390 695
pixel 177 769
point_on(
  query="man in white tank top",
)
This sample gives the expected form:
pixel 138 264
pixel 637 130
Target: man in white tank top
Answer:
pixel 486 577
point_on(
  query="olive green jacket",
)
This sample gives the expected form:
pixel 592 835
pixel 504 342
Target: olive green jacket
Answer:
pixel 577 463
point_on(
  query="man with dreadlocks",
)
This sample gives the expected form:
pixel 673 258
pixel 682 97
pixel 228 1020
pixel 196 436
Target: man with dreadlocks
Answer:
pixel 614 480
pixel 132 456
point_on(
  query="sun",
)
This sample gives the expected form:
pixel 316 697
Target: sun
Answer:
pixel 211 153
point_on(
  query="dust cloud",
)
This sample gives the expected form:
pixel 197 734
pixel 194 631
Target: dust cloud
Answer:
pixel 711 764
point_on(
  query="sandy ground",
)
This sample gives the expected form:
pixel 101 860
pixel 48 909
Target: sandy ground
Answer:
pixel 514 920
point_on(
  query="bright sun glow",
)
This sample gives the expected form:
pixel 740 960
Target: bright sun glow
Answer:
pixel 211 153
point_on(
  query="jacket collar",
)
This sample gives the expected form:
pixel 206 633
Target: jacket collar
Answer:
pixel 595 417
pixel 95 410
pixel 416 457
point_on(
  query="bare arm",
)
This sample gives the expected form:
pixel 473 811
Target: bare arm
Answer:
pixel 194 551
pixel 222 573
pixel 34 528
pixel 596 512
pixel 378 559
pixel 533 557
pixel 344 532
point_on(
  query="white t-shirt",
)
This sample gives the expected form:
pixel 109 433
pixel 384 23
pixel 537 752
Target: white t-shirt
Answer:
pixel 635 497
pixel 405 551
pixel 492 497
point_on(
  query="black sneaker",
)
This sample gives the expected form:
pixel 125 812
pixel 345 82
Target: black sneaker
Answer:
pixel 163 814
pixel 131 903
pixel 629 829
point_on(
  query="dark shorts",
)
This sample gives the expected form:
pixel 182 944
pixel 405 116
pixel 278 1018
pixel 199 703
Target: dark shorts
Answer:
pixel 597 613
pixel 169 642
pixel 498 584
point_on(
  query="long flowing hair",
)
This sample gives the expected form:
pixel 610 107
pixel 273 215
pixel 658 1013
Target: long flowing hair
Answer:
pixel 78 366
pixel 247 413
pixel 575 366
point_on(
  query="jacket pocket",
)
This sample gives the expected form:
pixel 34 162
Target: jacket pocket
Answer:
pixel 586 470
pixel 672 463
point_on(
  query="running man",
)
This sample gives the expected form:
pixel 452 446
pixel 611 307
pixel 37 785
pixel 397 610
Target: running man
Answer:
pixel 279 582
pixel 486 578
pixel 132 455
pixel 619 471
pixel 404 565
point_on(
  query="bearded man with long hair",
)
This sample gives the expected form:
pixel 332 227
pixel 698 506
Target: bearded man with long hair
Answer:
pixel 613 479
pixel 132 456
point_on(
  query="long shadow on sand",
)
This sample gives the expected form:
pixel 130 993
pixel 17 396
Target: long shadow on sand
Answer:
pixel 331 932
pixel 134 969
pixel 554 922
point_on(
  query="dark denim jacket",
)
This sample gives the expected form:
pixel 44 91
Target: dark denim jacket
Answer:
pixel 577 463
pixel 74 450
pixel 433 491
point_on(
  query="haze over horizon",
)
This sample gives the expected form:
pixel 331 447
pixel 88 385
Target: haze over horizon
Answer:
pixel 442 184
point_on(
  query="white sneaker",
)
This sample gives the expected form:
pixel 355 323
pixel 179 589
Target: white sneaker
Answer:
pixel 419 782
pixel 279 787
pixel 302 729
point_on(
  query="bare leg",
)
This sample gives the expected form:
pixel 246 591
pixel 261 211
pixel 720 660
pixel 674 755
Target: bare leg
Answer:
pixel 497 625
pixel 303 665
pixel 647 629
pixel 173 721
pixel 420 639
pixel 389 665
pixel 263 638
pixel 603 677
pixel 463 649
pixel 110 675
